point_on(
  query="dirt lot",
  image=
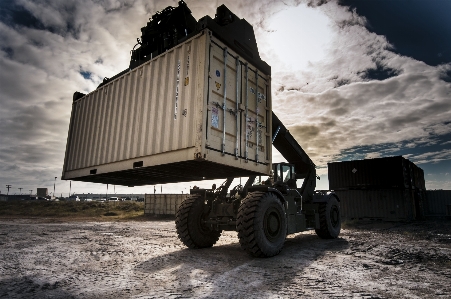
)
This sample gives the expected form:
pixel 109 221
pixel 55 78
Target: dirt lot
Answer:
pixel 51 258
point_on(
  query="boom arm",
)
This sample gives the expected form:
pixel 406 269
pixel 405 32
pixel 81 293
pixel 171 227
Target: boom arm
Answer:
pixel 290 149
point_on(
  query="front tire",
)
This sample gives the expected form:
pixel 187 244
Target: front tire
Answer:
pixel 329 219
pixel 262 224
pixel 190 227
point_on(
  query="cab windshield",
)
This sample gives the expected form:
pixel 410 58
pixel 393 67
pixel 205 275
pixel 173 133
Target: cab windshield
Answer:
pixel 282 173
pixel 286 173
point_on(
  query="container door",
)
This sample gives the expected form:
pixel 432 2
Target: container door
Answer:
pixel 255 126
pixel 239 107
pixel 223 102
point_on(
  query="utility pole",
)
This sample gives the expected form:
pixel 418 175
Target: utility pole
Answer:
pixel 30 191
pixel 54 184
pixel 8 187
pixel 20 189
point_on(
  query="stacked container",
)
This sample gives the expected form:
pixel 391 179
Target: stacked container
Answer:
pixel 391 188
pixel 438 203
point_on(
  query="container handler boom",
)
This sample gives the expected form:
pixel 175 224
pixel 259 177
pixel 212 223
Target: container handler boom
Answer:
pixel 290 149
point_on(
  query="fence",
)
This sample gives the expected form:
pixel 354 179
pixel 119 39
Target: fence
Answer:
pixel 162 204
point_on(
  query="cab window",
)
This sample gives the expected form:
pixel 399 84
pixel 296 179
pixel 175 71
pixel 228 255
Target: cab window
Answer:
pixel 286 173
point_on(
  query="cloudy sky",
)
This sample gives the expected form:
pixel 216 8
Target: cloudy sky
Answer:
pixel 351 79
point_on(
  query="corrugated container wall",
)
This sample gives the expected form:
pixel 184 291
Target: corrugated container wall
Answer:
pixel 381 204
pixel 196 111
pixel 163 204
pixel 438 202
pixel 391 188
pixel 390 172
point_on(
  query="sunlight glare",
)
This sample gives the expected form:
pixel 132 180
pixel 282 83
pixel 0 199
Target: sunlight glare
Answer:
pixel 299 35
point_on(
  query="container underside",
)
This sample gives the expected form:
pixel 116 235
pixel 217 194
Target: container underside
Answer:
pixel 186 171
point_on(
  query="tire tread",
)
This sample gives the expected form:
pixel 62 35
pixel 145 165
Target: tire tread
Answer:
pixel 185 225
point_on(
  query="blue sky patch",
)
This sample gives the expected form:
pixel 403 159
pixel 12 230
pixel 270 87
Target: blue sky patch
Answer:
pixel 87 75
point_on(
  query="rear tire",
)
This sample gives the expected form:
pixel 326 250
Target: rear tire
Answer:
pixel 262 224
pixel 329 219
pixel 190 227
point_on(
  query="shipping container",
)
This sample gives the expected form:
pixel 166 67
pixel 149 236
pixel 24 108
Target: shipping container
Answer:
pixel 197 111
pixel 389 172
pixel 438 202
pixel 381 204
pixel 163 204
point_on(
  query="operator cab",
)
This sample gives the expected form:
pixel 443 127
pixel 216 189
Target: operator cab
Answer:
pixel 284 174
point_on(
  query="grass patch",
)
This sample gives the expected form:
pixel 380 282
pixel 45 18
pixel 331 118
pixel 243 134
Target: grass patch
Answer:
pixel 72 210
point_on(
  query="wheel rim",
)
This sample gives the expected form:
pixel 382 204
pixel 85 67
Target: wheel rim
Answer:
pixel 334 216
pixel 199 222
pixel 272 224
pixel 201 226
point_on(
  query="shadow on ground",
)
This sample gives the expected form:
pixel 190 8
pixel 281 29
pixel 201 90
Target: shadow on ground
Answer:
pixel 224 270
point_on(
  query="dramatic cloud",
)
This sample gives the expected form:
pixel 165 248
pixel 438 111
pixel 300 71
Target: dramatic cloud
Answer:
pixel 342 89
pixel 361 94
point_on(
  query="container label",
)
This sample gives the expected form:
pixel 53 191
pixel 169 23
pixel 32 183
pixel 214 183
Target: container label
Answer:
pixel 187 66
pixel 218 73
pixel 214 117
pixel 177 89
pixel 187 72
pixel 249 128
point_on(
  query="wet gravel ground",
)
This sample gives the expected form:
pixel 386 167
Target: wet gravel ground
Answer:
pixel 45 259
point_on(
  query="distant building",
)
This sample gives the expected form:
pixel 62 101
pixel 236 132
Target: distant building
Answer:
pixel 42 192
